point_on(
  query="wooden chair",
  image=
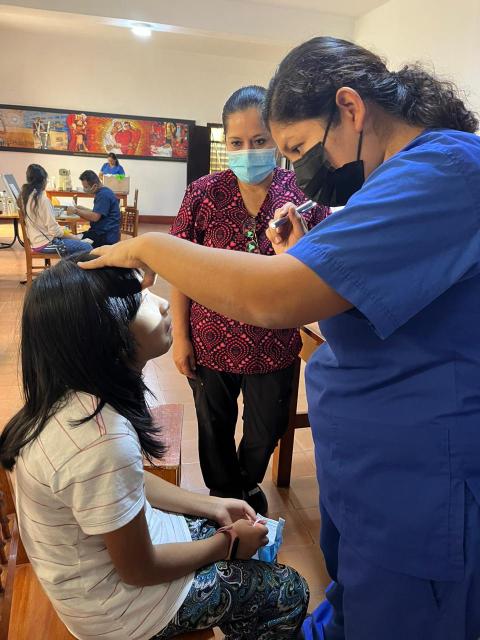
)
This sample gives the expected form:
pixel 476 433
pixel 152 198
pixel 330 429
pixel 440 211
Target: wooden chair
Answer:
pixel 283 454
pixel 169 417
pixel 129 221
pixel 30 255
pixel 135 201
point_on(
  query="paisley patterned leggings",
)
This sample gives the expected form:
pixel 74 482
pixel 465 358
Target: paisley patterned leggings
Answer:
pixel 248 600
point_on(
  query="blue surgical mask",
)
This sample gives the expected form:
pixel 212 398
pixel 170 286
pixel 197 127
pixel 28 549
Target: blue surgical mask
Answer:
pixel 253 165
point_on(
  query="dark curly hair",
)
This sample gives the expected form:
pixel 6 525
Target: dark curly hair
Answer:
pixel 305 85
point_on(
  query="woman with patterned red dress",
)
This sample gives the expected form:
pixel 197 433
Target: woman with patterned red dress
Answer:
pixel 221 357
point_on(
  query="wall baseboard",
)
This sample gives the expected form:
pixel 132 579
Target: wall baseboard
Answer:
pixel 145 219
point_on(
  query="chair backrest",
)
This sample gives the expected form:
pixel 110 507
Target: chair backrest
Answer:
pixel 11 552
pixel 135 199
pixel 129 222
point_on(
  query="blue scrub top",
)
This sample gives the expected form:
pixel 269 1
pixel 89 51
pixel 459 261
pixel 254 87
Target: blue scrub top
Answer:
pixel 108 227
pixel 116 170
pixel 394 394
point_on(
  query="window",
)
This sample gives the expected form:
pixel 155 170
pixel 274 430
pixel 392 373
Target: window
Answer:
pixel 218 150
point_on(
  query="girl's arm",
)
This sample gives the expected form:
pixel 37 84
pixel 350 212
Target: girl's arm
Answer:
pixel 140 563
pixel 168 497
pixel 267 291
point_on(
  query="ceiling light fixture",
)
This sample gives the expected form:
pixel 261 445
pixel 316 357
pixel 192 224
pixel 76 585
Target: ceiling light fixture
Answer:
pixel 142 30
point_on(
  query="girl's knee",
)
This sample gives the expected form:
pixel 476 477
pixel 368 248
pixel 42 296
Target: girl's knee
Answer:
pixel 298 586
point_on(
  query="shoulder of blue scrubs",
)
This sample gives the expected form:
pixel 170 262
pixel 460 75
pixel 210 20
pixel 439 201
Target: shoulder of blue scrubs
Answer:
pixel 408 235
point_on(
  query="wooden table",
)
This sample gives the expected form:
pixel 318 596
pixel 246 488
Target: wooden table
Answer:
pixel 81 194
pixel 282 457
pixel 71 222
pixel 11 217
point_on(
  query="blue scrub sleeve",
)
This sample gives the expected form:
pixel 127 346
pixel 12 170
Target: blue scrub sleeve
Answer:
pixel 102 204
pixel 406 237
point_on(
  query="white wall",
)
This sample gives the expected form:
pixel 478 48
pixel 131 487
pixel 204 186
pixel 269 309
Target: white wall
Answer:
pixel 441 32
pixel 107 70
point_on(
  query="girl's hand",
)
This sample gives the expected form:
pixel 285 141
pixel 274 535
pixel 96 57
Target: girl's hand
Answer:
pixel 289 233
pixel 123 254
pixel 252 536
pixel 225 511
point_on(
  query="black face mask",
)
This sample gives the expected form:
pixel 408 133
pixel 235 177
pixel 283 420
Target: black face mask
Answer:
pixel 324 184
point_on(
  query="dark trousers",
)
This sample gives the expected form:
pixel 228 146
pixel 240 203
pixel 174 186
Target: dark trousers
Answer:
pixel 99 239
pixel 266 401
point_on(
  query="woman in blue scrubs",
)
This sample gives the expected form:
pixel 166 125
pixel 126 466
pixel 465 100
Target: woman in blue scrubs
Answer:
pixel 394 279
pixel 112 167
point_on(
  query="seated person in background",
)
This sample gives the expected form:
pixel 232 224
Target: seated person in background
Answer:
pixel 44 233
pixel 111 167
pixel 104 537
pixel 105 217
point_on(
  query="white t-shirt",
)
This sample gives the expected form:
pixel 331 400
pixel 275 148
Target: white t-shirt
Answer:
pixel 41 224
pixel 75 483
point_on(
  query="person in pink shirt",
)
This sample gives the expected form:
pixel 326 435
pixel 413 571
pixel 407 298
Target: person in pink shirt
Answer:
pixel 231 210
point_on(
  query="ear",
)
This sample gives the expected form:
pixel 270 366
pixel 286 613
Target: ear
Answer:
pixel 351 107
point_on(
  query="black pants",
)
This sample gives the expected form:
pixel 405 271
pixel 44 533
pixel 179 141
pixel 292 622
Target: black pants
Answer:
pixel 99 239
pixel 266 401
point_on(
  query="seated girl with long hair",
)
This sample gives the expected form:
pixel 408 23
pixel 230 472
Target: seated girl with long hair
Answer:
pixel 44 232
pixel 105 539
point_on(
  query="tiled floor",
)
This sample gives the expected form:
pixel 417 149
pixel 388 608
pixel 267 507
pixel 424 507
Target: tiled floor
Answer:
pixel 298 504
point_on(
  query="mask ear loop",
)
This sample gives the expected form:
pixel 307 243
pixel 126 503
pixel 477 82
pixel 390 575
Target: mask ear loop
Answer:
pixel 359 149
pixel 329 124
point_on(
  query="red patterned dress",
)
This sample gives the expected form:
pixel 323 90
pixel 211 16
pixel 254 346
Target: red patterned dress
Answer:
pixel 213 214
pixel 233 357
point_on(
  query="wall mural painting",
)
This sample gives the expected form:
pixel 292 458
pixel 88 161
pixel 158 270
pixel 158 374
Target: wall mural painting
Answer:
pixel 84 133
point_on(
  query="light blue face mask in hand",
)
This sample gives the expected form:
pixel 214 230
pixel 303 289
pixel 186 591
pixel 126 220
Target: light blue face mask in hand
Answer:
pixel 275 539
pixel 253 165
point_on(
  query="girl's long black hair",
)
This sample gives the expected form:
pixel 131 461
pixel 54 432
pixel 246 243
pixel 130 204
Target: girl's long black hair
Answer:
pixel 76 337
pixel 36 183
pixel 307 80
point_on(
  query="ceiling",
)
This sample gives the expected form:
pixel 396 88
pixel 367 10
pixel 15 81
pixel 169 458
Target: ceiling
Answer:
pixel 255 29
pixel 114 30
pixel 352 8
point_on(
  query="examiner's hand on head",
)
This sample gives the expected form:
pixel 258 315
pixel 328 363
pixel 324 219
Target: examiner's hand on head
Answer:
pixel 122 254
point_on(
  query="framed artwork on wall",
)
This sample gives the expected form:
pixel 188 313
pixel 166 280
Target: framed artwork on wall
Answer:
pixel 61 131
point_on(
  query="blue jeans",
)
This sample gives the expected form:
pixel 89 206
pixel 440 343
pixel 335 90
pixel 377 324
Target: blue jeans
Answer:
pixel 71 245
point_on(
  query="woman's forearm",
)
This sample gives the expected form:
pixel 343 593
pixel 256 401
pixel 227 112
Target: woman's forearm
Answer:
pixel 180 308
pixel 268 291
